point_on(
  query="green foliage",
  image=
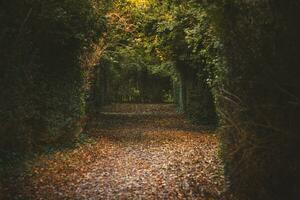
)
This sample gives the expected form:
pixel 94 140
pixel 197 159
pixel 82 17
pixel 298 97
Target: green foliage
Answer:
pixel 42 75
pixel 134 73
pixel 258 85
pixel 182 34
pixel 62 60
pixel 240 57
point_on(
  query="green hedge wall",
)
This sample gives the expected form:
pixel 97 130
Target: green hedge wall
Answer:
pixel 259 99
pixel 42 76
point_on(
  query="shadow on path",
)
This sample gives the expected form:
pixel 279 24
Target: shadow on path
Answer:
pixel 137 152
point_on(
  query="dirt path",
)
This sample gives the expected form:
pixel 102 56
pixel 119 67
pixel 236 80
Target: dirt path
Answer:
pixel 136 152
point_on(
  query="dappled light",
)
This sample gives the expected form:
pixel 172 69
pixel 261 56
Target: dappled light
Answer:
pixel 141 3
pixel 149 99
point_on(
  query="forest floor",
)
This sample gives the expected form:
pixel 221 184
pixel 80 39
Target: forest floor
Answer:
pixel 135 152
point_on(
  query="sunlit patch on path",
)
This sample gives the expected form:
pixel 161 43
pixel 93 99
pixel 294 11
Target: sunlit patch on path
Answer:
pixel 138 152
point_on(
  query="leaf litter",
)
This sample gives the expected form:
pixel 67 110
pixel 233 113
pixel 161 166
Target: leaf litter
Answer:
pixel 138 152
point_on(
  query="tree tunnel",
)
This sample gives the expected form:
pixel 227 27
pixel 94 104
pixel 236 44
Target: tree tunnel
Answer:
pixel 133 84
pixel 185 86
pixel 230 64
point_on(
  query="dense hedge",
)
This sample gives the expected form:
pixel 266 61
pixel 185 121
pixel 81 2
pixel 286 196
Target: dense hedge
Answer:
pixel 42 73
pixel 259 101
pixel 239 57
pixel 246 54
pixel 180 34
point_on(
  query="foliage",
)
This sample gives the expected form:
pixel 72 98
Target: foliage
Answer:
pixel 42 75
pixel 226 61
pixel 134 74
pixel 259 98
pixel 182 34
pixel 245 54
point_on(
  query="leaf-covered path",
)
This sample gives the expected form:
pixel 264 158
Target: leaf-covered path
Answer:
pixel 136 152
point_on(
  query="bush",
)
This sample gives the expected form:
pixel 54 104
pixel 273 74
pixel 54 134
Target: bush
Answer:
pixel 42 75
pixel 260 98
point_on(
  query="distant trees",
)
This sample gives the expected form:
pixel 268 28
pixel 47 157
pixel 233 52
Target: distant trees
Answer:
pixel 230 62
pixel 241 59
pixel 181 35
pixel 133 73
